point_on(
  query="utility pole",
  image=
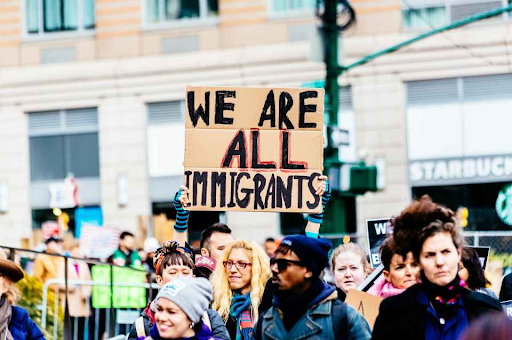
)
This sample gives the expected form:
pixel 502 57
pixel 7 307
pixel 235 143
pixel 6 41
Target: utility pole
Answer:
pixel 332 12
pixel 331 31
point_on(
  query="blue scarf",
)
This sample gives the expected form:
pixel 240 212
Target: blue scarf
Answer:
pixel 241 312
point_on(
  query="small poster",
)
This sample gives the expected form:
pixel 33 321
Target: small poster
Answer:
pixel 377 230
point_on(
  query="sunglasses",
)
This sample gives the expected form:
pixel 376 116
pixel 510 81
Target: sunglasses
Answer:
pixel 282 264
pixel 239 265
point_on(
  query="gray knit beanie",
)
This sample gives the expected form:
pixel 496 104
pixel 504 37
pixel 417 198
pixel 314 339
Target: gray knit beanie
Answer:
pixel 192 295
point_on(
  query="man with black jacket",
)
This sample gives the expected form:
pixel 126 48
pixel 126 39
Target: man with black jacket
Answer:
pixel 303 306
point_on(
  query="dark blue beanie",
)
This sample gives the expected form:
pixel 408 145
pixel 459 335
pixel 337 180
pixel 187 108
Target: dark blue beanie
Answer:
pixel 313 252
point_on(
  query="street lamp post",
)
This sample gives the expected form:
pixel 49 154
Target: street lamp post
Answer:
pixel 331 12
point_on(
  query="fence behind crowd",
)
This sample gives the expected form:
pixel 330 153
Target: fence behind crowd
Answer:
pixel 71 309
pixel 499 241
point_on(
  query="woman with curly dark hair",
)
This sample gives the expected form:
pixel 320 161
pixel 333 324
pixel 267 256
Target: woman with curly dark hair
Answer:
pixel 440 307
pixel 471 271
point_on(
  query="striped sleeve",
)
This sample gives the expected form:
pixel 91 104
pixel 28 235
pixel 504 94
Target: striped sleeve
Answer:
pixel 182 215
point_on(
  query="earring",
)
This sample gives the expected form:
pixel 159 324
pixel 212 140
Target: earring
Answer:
pixel 191 325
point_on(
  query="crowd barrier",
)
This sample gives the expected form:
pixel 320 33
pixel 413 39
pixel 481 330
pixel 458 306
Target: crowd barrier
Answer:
pixel 110 302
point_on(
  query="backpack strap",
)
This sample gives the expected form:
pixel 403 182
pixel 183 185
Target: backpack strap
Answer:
pixel 339 320
pixel 139 326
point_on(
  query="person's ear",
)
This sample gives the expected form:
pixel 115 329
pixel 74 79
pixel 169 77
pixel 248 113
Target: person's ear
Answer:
pixel 205 252
pixel 308 275
pixel 386 275
pixel 459 251
pixel 159 280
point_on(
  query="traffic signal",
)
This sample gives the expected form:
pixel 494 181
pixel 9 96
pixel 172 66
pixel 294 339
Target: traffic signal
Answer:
pixel 363 178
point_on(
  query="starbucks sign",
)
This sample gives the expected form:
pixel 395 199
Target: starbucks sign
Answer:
pixel 504 204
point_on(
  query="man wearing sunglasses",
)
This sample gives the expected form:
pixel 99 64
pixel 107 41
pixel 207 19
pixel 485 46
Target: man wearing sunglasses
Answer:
pixel 305 307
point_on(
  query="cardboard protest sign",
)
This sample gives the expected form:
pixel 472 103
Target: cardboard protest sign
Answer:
pixel 366 304
pixel 507 308
pixel 253 149
pixel 483 254
pixel 377 230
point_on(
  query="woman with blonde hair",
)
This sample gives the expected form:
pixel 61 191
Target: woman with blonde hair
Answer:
pixel 238 287
pixel 349 263
pixel 15 323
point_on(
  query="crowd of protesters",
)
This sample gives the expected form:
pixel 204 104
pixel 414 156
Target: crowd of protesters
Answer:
pixel 295 288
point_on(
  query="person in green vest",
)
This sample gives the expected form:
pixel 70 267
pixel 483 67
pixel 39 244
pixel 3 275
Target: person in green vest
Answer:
pixel 125 255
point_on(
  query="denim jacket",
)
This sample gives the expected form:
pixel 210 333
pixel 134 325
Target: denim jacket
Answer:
pixel 316 323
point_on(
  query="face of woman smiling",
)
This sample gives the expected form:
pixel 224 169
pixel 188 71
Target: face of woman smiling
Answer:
pixel 439 259
pixel 171 321
pixel 239 278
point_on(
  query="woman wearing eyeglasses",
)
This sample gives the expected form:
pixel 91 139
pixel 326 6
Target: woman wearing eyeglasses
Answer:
pixel 238 287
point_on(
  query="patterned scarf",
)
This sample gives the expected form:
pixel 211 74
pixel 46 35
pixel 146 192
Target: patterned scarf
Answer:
pixel 444 299
pixel 5 319
pixel 241 311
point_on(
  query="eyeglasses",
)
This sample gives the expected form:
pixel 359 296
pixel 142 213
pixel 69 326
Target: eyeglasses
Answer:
pixel 282 264
pixel 239 265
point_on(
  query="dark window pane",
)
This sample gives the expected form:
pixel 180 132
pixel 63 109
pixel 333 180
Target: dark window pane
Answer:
pixel 83 151
pixel 177 9
pixel 213 7
pixel 189 9
pixel 46 158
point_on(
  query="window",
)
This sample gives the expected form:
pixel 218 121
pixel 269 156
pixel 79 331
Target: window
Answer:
pixel 166 127
pixel 49 16
pixel 425 14
pixel 293 5
pixel 423 18
pixel 63 142
pixel 455 109
pixel 159 11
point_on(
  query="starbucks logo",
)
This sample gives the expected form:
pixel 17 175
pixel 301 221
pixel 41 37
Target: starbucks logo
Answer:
pixel 504 204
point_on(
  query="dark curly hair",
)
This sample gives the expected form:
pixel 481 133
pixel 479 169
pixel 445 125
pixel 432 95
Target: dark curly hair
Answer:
pixel 387 250
pixel 471 262
pixel 421 220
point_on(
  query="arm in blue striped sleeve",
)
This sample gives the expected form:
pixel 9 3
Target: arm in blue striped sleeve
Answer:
pixel 182 215
pixel 317 218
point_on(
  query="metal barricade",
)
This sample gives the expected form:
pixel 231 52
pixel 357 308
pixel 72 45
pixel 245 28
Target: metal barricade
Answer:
pixel 102 319
pixel 123 317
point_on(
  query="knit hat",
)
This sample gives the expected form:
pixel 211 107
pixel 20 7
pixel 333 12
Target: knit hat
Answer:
pixel 313 252
pixel 192 295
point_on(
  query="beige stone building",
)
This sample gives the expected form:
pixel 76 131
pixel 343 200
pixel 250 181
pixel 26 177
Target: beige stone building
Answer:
pixel 95 88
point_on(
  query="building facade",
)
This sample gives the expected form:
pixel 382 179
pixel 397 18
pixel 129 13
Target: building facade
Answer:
pixel 95 89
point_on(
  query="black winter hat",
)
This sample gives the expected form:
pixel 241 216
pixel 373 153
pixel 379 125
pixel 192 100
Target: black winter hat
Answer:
pixel 313 252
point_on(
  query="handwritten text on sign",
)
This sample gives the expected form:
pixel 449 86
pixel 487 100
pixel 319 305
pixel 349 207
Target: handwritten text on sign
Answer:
pixel 253 149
